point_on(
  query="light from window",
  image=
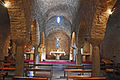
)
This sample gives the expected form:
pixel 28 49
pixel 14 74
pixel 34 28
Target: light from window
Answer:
pixel 58 20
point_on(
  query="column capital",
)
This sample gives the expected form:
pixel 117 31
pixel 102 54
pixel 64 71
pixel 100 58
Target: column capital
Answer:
pixel 95 42
pixel 20 41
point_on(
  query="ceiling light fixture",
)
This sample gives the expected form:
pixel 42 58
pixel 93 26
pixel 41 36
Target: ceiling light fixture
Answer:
pixel 109 11
pixel 5 4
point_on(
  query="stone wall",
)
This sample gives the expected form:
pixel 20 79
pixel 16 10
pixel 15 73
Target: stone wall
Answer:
pixel 4 29
pixel 110 47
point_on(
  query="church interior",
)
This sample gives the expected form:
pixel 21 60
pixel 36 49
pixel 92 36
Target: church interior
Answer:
pixel 59 39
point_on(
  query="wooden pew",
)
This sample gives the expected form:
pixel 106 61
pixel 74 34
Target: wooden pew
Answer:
pixel 5 63
pixel 89 78
pixel 107 63
pixel 71 66
pixel 39 65
pixel 77 70
pixel 48 71
pixel 28 78
pixel 7 69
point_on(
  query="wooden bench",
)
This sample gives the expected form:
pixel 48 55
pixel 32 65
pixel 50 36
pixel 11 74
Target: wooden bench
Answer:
pixel 39 65
pixel 107 63
pixel 5 69
pixel 35 70
pixel 28 78
pixel 71 66
pixel 89 78
pixel 4 63
pixel 78 71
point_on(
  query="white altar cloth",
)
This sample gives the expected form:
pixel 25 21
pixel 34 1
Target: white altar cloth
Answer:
pixel 57 53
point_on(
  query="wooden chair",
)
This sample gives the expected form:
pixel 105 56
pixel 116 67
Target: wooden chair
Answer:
pixel 28 78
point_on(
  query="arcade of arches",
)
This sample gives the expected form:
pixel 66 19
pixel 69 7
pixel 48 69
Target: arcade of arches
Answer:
pixel 73 30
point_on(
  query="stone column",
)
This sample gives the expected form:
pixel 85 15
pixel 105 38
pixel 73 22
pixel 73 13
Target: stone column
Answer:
pixel 95 61
pixel 19 58
pixel 86 49
pixel 37 58
pixel 78 57
pixel 1 51
pixel 90 52
pixel 36 54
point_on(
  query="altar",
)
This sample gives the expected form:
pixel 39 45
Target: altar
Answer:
pixel 57 54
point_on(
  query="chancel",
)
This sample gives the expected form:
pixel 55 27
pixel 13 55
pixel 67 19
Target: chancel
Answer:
pixel 59 39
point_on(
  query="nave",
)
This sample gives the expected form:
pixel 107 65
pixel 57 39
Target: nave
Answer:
pixel 60 34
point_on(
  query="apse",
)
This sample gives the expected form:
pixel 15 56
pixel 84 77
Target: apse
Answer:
pixel 58 36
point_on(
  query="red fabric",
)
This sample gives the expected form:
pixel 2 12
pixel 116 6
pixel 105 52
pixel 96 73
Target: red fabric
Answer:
pixel 53 62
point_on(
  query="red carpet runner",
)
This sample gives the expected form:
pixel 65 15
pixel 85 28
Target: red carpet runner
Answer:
pixel 52 62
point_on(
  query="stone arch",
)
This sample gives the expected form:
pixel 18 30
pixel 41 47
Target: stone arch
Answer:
pixel 97 30
pixel 81 34
pixel 34 33
pixel 17 20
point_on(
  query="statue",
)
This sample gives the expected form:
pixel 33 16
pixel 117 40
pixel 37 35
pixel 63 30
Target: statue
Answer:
pixel 42 52
pixel 57 42
pixel 75 49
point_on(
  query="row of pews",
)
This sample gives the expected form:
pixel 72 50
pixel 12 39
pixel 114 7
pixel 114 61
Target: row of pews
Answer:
pixel 31 71
pixel 45 72
pixel 6 66
pixel 78 72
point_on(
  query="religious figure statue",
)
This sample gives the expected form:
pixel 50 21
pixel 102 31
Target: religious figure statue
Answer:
pixel 42 52
pixel 75 49
pixel 57 42
pixel 42 48
pixel 71 54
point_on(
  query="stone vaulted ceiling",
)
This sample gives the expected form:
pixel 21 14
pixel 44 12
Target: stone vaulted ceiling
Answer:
pixel 67 8
pixel 88 18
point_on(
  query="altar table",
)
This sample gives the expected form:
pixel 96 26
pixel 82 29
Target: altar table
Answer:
pixel 57 54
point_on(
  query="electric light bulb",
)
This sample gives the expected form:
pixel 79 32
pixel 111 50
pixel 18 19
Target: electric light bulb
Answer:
pixel 109 11
pixel 7 4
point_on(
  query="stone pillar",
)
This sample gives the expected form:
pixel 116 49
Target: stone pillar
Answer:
pixel 90 52
pixel 1 51
pixel 86 46
pixel 78 57
pixel 95 61
pixel 19 58
pixel 36 54
pixel 86 49
pixel 37 58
